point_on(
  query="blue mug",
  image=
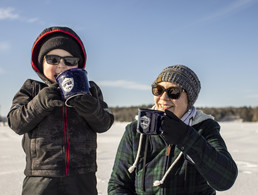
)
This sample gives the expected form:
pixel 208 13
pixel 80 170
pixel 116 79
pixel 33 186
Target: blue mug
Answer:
pixel 149 121
pixel 73 82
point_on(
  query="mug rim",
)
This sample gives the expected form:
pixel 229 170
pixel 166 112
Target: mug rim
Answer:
pixel 69 70
pixel 148 109
pixel 69 98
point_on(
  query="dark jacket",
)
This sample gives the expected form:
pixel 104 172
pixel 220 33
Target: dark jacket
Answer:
pixel 60 142
pixel 204 167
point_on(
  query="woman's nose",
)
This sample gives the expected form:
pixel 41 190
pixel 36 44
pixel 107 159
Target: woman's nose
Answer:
pixel 164 96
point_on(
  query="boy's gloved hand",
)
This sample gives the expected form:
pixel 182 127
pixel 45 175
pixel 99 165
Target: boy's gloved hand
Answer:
pixel 174 130
pixel 49 97
pixel 93 91
pixel 86 104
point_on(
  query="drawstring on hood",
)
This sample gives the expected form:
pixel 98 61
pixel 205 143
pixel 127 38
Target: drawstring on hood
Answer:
pixel 187 119
pixel 131 168
pixel 159 182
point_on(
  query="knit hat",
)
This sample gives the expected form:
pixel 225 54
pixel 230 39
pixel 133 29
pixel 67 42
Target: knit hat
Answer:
pixel 184 77
pixel 59 41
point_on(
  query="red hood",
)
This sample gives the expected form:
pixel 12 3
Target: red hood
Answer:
pixel 49 31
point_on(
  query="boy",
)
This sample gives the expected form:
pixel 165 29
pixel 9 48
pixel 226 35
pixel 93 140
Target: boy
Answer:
pixel 59 141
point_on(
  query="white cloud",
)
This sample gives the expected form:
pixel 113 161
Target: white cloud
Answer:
pixel 124 84
pixel 7 13
pixel 4 46
pixel 233 7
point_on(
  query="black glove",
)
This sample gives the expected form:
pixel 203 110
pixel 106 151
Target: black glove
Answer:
pixel 86 104
pixel 49 97
pixel 174 130
pixel 94 91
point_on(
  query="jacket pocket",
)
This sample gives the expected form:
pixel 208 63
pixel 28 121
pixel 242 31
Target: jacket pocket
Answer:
pixel 48 156
pixel 83 155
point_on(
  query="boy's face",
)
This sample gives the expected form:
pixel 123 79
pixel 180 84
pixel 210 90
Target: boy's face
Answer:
pixel 52 71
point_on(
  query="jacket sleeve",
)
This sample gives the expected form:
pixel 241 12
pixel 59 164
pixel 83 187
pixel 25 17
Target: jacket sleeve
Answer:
pixel 102 118
pixel 26 111
pixel 121 181
pixel 208 151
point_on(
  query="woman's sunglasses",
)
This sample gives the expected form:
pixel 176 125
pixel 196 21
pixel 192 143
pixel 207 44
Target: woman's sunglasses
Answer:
pixel 68 60
pixel 172 92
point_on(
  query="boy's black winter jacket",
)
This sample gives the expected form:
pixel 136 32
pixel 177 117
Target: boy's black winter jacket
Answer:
pixel 59 142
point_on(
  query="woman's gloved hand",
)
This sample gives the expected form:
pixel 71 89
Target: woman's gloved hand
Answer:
pixel 174 130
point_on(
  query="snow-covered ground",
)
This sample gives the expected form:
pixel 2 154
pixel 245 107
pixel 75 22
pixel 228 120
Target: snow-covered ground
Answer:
pixel 241 139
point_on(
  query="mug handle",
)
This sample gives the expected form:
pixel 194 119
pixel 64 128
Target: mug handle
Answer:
pixel 161 119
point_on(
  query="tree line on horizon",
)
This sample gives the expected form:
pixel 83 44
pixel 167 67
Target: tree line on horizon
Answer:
pixel 245 114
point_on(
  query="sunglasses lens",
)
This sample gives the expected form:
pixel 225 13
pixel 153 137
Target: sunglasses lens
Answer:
pixel 71 61
pixel 157 90
pixel 53 59
pixel 174 92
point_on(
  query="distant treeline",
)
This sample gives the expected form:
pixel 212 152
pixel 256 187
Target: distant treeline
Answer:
pixel 3 119
pixel 246 114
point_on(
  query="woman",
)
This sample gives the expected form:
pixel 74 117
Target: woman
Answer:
pixel 189 157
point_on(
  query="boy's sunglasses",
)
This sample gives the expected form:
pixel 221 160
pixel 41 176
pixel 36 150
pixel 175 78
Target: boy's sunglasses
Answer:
pixel 172 92
pixel 68 60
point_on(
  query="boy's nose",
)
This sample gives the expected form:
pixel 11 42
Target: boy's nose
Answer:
pixel 61 63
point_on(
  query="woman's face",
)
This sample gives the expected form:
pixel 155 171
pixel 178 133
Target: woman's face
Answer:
pixel 177 106
pixel 52 71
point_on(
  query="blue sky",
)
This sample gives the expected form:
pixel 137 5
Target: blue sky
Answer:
pixel 129 42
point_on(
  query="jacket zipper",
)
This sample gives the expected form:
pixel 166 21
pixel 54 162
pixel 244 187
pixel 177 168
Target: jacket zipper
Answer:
pixel 66 141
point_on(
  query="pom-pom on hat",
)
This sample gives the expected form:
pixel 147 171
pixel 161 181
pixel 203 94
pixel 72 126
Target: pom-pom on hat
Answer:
pixel 184 77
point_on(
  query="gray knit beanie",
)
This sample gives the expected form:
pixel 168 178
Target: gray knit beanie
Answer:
pixel 184 77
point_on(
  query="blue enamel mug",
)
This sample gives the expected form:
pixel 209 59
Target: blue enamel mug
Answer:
pixel 149 121
pixel 73 82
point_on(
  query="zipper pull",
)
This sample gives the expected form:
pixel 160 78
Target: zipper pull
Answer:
pixel 168 150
